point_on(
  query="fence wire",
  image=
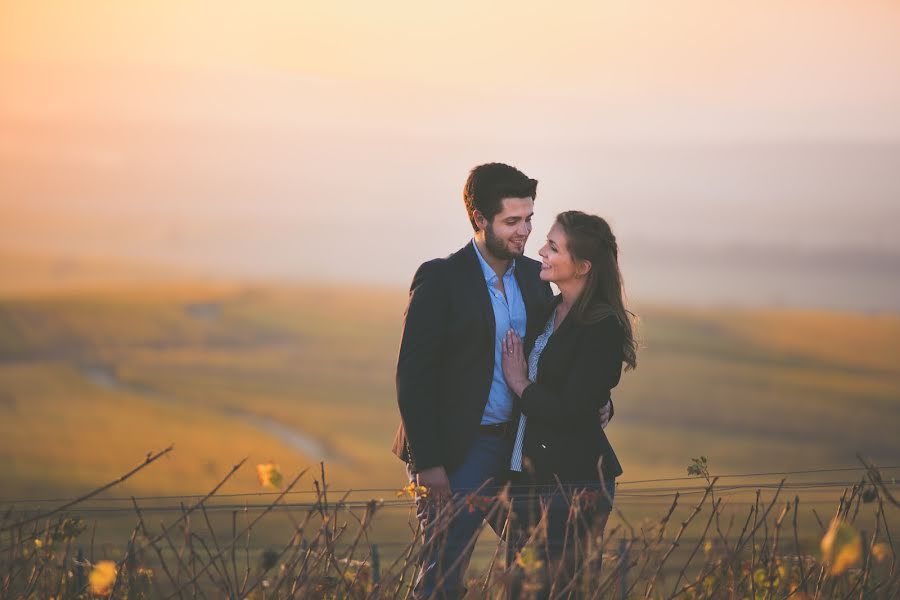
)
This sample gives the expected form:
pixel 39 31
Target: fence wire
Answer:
pixel 628 494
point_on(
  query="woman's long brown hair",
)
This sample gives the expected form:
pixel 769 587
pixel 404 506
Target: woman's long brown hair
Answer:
pixel 590 238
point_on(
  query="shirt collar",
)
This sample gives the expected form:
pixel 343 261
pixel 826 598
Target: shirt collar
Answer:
pixel 489 275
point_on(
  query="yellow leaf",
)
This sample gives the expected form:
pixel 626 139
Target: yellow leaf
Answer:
pixel 102 577
pixel 528 560
pixel 412 490
pixel 880 552
pixel 269 474
pixel 841 546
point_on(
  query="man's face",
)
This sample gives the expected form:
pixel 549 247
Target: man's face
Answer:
pixel 506 235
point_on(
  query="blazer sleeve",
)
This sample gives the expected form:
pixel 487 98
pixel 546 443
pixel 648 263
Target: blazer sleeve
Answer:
pixel 596 366
pixel 421 344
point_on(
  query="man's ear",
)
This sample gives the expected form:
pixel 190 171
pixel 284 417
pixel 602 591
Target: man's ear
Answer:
pixel 480 220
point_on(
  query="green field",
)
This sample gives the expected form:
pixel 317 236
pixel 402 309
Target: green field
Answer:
pixel 92 381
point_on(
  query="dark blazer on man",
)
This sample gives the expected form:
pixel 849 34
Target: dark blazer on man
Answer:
pixel 446 362
pixel 577 369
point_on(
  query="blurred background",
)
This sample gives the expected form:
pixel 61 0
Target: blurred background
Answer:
pixel 210 213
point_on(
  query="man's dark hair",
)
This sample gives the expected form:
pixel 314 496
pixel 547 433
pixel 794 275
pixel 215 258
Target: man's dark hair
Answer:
pixel 489 184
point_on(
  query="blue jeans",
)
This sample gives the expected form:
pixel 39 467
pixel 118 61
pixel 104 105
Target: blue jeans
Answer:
pixel 565 536
pixel 449 540
pixel 561 531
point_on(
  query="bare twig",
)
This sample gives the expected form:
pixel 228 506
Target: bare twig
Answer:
pixel 147 462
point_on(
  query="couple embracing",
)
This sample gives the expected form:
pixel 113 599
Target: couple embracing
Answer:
pixel 501 382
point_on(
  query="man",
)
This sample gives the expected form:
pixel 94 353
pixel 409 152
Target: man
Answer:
pixel 456 408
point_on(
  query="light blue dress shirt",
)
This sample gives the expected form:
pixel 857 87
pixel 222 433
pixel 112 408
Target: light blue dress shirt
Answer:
pixel 509 312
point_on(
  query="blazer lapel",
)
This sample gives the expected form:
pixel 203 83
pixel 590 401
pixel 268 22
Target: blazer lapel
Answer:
pixel 527 295
pixel 477 285
pixel 531 311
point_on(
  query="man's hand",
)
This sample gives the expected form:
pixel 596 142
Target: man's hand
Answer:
pixel 435 479
pixel 604 415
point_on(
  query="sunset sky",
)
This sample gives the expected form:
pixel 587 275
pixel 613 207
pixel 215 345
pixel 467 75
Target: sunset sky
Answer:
pixel 760 69
pixel 330 140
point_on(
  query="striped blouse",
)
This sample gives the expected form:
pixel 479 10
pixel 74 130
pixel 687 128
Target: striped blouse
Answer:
pixel 540 343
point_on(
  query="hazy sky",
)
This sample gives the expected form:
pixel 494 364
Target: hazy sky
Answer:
pixel 635 69
pixel 331 139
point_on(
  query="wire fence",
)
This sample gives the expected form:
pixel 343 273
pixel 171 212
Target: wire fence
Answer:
pixel 334 545
pixel 628 493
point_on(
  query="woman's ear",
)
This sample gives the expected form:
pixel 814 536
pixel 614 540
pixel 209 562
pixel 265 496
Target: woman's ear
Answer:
pixel 582 268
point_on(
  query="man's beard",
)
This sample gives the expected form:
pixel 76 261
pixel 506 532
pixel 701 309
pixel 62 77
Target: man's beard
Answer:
pixel 497 247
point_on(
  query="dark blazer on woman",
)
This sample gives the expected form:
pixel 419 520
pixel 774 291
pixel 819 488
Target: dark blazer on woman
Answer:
pixel 577 369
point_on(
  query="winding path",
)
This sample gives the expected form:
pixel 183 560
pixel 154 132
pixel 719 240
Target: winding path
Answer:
pixel 302 442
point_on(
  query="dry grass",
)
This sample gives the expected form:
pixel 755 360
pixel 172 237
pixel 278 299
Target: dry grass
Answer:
pixel 692 550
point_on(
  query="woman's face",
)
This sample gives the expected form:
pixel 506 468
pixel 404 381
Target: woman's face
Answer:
pixel 557 265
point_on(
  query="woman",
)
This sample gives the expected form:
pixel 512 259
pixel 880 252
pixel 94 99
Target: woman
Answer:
pixel 568 376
